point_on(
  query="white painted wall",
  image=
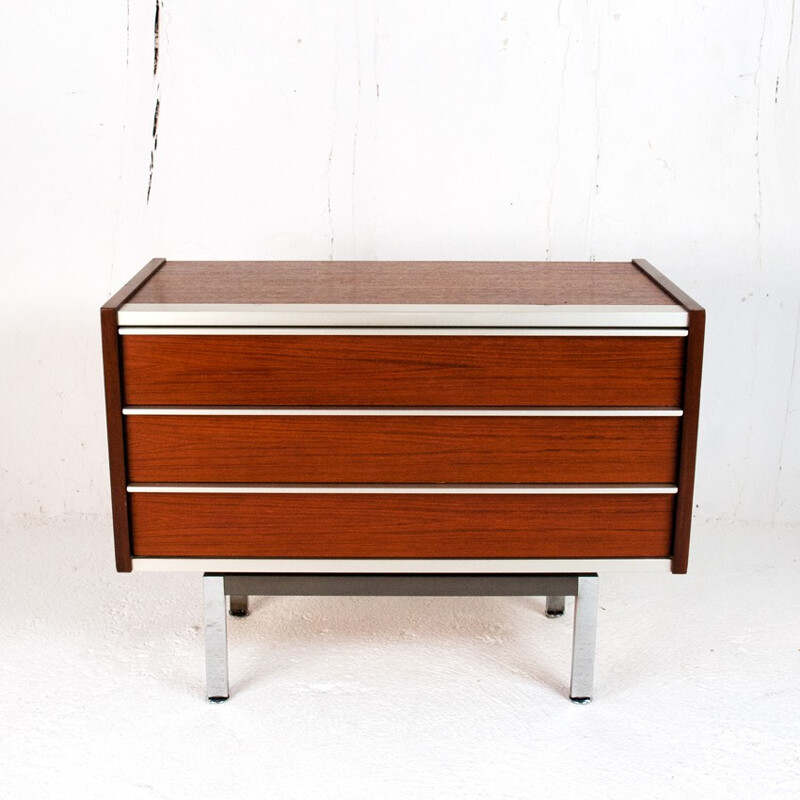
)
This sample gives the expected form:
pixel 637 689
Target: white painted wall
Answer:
pixel 380 130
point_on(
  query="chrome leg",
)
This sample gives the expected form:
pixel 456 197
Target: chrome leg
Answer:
pixel 583 639
pixel 216 638
pixel 555 605
pixel 239 606
pixel 555 587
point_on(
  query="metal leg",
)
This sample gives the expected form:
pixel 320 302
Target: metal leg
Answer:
pixel 583 640
pixel 216 638
pixel 555 605
pixel 239 605
pixel 555 587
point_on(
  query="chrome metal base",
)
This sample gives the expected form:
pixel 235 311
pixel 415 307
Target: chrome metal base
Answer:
pixel 555 605
pixel 584 588
pixel 239 605
pixel 216 638
pixel 584 634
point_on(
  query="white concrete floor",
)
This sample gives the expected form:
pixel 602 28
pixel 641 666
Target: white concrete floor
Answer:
pixel 697 684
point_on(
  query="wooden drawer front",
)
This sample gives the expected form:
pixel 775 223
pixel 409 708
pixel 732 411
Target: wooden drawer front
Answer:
pixel 401 449
pixel 401 525
pixel 423 371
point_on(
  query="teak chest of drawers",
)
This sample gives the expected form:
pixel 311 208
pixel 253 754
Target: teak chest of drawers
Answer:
pixel 429 421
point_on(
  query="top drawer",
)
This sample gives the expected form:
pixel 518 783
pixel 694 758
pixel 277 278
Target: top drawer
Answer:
pixel 334 370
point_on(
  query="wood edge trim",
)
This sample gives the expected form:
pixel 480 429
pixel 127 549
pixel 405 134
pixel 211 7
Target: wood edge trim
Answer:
pixel 116 438
pixel 688 448
pixel 112 379
pixel 134 284
pixel 664 283
pixel 394 566
pixel 691 412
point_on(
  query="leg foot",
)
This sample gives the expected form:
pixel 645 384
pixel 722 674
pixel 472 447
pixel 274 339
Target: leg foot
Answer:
pixel 239 607
pixel 216 638
pixel 555 606
pixel 583 639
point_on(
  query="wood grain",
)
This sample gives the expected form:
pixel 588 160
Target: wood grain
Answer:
pixel 397 449
pixel 672 290
pixel 688 447
pixel 691 416
pixel 534 283
pixel 402 526
pixel 112 380
pixel 386 371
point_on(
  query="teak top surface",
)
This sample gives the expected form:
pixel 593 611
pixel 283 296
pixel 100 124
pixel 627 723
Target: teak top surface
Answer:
pixel 401 282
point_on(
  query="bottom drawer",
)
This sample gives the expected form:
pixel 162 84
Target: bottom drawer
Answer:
pixel 361 525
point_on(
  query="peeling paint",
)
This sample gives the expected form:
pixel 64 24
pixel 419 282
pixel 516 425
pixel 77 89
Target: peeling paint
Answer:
pixel 330 212
pixel 355 140
pixel 156 26
pixel 554 167
pixel 597 139
pixel 375 40
pixel 127 32
pixel 155 123
pixel 154 146
pixel 756 75
pixel 598 128
pixel 776 501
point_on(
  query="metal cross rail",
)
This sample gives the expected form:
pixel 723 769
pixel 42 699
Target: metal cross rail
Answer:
pixel 584 588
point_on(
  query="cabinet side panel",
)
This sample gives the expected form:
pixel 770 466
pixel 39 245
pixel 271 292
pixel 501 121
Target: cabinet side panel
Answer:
pixel 112 377
pixel 691 412
pixel 688 446
pixel 116 438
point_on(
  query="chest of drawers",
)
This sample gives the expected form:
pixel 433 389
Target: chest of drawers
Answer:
pixel 401 418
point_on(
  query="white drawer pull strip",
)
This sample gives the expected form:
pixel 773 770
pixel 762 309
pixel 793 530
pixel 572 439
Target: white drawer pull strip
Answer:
pixel 212 330
pixel 407 412
pixel 405 565
pixel 403 315
pixel 199 488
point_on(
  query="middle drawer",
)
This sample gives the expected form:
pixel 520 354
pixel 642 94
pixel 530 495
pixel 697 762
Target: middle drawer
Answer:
pixel 400 449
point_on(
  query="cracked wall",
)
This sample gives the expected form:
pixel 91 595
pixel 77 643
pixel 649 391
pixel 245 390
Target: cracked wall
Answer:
pixel 433 130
